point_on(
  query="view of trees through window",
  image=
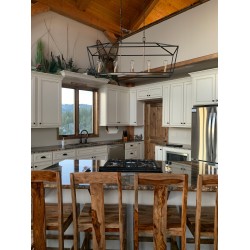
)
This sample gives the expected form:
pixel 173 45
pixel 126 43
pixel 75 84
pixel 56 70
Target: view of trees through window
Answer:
pixel 83 99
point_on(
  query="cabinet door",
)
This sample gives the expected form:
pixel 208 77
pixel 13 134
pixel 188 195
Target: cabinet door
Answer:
pixel 158 153
pixel 204 89
pixel 142 94
pixel 187 108
pixel 123 107
pixel 176 104
pixel 49 101
pixel 165 106
pixel 155 92
pixel 33 102
pixel 111 107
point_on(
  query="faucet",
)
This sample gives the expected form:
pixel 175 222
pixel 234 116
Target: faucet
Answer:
pixel 87 135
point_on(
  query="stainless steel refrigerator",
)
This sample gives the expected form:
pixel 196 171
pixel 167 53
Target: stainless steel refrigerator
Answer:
pixel 204 137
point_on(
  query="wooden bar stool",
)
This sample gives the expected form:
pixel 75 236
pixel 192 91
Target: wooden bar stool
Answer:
pixel 48 216
pixel 159 220
pixel 203 221
pixel 98 218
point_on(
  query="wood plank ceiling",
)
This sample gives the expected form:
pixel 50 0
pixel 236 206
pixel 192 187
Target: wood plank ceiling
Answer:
pixel 116 18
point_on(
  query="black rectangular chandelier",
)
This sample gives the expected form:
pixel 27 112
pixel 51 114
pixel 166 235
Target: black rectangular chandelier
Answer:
pixel 132 59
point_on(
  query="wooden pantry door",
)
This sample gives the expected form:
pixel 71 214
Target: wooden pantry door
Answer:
pixel 153 130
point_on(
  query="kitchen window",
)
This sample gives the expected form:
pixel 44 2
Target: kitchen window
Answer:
pixel 79 111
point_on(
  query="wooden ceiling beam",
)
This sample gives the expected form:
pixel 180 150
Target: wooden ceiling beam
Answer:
pixel 111 36
pixel 68 10
pixel 144 13
pixel 82 4
pixel 37 8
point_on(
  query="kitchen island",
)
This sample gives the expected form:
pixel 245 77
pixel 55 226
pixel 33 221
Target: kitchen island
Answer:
pixel 145 194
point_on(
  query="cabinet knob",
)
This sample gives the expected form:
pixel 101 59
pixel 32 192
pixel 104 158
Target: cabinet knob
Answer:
pixel 34 123
pixel 43 157
pixel 40 123
pixel 131 153
pixel 65 154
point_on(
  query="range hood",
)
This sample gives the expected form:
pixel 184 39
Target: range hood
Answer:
pixel 83 79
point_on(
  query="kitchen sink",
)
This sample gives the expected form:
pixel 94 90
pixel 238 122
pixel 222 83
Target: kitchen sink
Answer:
pixel 82 145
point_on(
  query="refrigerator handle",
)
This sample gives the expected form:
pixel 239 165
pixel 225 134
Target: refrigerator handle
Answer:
pixel 209 136
pixel 213 137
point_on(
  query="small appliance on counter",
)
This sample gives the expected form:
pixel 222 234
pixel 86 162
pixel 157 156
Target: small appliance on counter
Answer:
pixel 131 165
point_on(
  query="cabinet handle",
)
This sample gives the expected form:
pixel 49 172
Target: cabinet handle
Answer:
pixel 43 157
pixel 65 154
pixel 35 166
pixel 131 153
pixel 34 123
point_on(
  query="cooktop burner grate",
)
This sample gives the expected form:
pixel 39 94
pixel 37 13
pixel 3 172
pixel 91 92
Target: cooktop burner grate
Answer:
pixel 131 166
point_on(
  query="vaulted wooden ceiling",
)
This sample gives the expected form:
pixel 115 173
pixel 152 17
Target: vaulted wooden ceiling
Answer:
pixel 116 18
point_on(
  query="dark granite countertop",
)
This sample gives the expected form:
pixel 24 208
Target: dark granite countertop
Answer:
pixel 70 166
pixel 73 146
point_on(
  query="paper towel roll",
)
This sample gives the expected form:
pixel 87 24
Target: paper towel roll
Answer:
pixel 112 130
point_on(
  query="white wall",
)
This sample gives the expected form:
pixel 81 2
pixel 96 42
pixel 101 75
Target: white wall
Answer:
pixel 68 37
pixel 195 31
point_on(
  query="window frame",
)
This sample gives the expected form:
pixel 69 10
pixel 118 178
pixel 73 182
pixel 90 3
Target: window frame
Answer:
pixel 76 87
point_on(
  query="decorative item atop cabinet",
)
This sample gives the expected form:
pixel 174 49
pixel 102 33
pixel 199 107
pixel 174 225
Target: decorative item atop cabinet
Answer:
pixel 205 87
pixel 45 100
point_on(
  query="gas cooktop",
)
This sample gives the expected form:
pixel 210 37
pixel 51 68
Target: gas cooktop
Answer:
pixel 131 166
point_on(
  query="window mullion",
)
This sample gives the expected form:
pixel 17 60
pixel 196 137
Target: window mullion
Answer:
pixel 77 112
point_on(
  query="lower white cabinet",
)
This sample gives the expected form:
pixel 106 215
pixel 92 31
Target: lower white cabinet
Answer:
pixel 158 153
pixel 134 150
pixel 41 160
pixel 95 153
pixel 63 154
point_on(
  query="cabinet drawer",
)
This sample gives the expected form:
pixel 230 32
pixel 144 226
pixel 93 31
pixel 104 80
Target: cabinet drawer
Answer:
pixel 42 157
pixel 41 165
pixel 131 154
pixel 132 145
pixel 64 154
pixel 92 151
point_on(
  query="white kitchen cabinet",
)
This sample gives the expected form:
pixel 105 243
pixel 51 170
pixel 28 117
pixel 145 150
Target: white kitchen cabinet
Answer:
pixel 181 104
pixel 45 100
pixel 114 106
pixel 149 92
pixel 158 153
pixel 205 87
pixel 63 154
pixel 41 160
pixel 136 110
pixel 166 105
pixel 95 153
pixel 134 150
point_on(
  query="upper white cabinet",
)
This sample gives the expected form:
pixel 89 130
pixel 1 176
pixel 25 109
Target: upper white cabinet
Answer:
pixel 177 103
pixel 205 87
pixel 45 100
pixel 181 104
pixel 114 105
pixel 150 92
pixel 165 105
pixel 136 110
